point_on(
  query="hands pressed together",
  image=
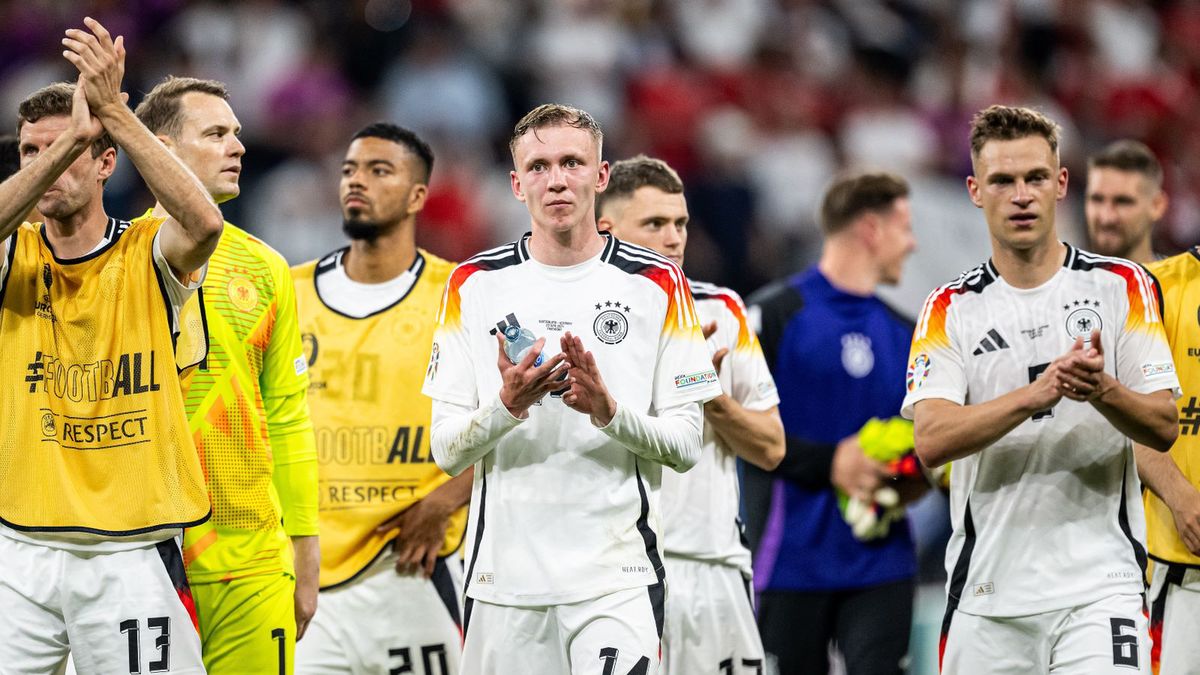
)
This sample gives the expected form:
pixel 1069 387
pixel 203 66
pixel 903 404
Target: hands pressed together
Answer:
pixel 573 371
pixel 1077 375
pixel 100 60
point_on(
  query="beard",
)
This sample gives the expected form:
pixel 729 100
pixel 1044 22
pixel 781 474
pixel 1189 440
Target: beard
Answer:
pixel 360 229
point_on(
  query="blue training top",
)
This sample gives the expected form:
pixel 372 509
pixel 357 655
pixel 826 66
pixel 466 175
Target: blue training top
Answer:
pixel 838 360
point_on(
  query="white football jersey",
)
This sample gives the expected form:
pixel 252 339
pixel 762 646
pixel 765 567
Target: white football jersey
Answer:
pixel 700 507
pixel 1049 516
pixel 560 512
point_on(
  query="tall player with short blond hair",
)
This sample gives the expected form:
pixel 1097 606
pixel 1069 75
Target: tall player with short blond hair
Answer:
pixel 253 566
pixel 568 368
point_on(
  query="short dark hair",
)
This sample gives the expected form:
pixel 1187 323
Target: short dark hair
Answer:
pixel 554 115
pixel 852 195
pixel 627 175
pixel 1007 123
pixel 51 101
pixel 1129 155
pixel 10 156
pixel 400 136
pixel 162 111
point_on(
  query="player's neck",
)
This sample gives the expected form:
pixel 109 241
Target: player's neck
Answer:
pixel 79 234
pixel 1143 253
pixel 1029 268
pixel 565 247
pixel 375 261
pixel 848 267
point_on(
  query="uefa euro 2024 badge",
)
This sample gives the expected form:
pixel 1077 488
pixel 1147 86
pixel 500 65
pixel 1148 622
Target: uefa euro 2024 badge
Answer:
pixel 517 343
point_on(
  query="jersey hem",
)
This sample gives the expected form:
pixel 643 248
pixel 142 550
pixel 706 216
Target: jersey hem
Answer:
pixel 211 577
pixel 557 598
pixel 359 572
pixel 745 568
pixel 107 533
pixel 1052 606
pixel 1167 561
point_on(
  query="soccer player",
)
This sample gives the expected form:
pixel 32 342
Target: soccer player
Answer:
pixel 97 470
pixel 710 619
pixel 253 566
pixel 1046 558
pixel 568 367
pixel 1124 199
pixel 835 348
pixel 1173 502
pixel 391 521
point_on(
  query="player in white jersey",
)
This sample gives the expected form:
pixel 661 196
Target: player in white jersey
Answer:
pixel 1033 372
pixel 710 615
pixel 568 367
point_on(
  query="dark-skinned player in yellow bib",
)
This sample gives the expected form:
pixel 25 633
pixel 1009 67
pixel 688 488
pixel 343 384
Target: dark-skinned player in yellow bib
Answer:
pixel 391 521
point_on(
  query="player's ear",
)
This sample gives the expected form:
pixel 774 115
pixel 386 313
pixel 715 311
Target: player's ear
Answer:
pixel 1158 205
pixel 602 178
pixel 108 163
pixel 973 191
pixel 515 180
pixel 1063 180
pixel 416 198
pixel 605 224
pixel 167 141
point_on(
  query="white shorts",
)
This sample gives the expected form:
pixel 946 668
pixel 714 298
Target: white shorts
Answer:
pixel 1106 636
pixel 119 612
pixel 710 620
pixel 384 622
pixel 1175 618
pixel 613 634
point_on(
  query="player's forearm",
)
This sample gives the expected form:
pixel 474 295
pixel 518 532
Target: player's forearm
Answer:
pixel 22 190
pixel 1149 419
pixel 193 212
pixel 307 553
pixel 754 435
pixel 673 438
pixel 294 454
pixel 945 431
pixel 1159 472
pixel 454 493
pixel 807 464
pixel 461 436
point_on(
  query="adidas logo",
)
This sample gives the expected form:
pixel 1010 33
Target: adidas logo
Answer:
pixel 990 343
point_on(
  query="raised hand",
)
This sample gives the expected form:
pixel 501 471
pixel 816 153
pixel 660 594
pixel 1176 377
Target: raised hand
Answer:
pixel 586 392
pixel 101 63
pixel 524 384
pixel 85 127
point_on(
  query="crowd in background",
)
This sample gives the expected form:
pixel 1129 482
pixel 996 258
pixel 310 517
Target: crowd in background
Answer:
pixel 757 103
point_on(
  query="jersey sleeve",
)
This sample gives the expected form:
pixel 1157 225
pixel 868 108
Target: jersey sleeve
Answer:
pixel 935 363
pixel 1143 356
pixel 177 291
pixel 285 370
pixel 749 379
pixel 684 371
pixel 450 374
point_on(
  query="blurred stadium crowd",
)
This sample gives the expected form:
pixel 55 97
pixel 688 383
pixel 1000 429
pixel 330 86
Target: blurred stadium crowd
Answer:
pixel 756 102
